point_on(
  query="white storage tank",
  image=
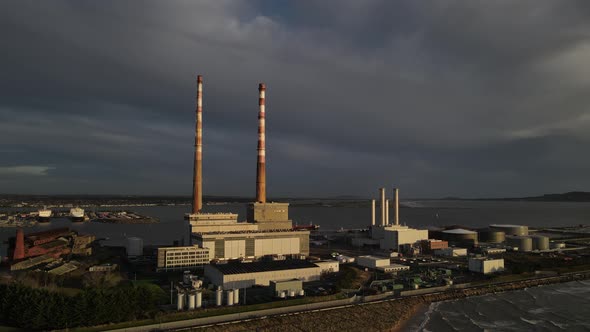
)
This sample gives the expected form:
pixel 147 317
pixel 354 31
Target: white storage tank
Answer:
pixel 236 296
pixel 301 292
pixel 191 301
pixel 282 294
pixel 230 297
pixel 180 301
pixel 134 246
pixel 291 293
pixel 540 242
pixel 218 297
pixel 199 300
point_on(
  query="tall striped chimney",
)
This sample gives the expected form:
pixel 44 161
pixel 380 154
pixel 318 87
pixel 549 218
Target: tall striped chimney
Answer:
pixel 198 165
pixel 396 205
pixel 261 164
pixel 382 196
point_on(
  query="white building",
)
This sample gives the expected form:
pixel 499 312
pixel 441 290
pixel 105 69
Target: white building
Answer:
pixel 485 265
pixel 392 236
pixel 244 275
pixel 393 268
pixel 181 258
pixel 451 252
pixel 372 262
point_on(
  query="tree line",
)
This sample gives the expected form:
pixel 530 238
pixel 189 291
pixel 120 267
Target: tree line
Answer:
pixel 40 309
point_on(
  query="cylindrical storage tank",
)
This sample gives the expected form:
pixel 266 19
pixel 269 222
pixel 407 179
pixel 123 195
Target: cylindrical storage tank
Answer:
pixel 191 301
pixel 492 236
pixel 236 296
pixel 557 245
pixel 540 242
pixel 460 236
pixel 218 297
pixel 180 301
pixel 518 230
pixel 230 297
pixel 291 293
pixel 199 300
pixel 301 292
pixel 282 294
pixel 523 243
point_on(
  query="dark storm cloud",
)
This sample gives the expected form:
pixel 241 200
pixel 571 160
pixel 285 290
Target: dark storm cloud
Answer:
pixel 470 98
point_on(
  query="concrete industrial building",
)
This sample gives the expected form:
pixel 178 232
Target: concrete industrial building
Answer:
pixel 390 236
pixel 428 246
pixel 182 258
pixel 485 265
pixel 244 275
pixel 294 286
pixel 234 245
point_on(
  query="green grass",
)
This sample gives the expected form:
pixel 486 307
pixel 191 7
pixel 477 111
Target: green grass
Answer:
pixel 184 315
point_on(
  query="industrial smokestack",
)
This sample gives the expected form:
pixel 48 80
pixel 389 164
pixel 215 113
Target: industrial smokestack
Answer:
pixel 372 212
pixel 396 205
pixel 198 165
pixel 386 212
pixel 382 193
pixel 261 164
pixel 19 246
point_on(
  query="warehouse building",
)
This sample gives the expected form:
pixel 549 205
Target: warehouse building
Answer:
pixel 428 246
pixel 372 262
pixel 451 252
pixel 485 265
pixel 235 245
pixel 244 275
pixel 391 237
pixel 181 258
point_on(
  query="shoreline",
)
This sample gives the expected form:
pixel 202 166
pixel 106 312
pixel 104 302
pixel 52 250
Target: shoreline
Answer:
pixel 420 309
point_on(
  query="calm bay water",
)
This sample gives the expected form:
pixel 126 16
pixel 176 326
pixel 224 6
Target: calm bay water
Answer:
pixel 562 307
pixel 172 227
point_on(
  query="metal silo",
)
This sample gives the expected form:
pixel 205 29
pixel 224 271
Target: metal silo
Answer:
pixel 230 297
pixel 199 300
pixel 180 301
pixel 191 301
pixel 218 297
pixel 236 296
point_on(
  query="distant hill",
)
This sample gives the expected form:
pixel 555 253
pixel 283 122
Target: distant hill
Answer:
pixel 572 196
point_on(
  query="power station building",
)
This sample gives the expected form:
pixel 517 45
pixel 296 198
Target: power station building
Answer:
pixel 255 244
pixel 267 230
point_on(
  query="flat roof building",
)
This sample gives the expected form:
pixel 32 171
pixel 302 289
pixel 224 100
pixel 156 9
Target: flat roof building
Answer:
pixel 244 275
pixel 485 265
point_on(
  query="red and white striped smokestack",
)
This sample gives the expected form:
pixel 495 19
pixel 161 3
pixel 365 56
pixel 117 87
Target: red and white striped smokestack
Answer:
pixel 261 163
pixel 198 166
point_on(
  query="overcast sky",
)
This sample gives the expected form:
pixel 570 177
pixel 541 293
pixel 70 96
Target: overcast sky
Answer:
pixel 440 98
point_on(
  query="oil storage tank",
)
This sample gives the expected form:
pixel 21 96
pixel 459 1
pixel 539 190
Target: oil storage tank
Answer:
pixel 491 236
pixel 523 243
pixel 218 296
pixel 540 242
pixel 180 301
pixel 460 236
pixel 518 230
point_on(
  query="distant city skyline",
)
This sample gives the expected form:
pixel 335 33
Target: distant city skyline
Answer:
pixel 453 98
